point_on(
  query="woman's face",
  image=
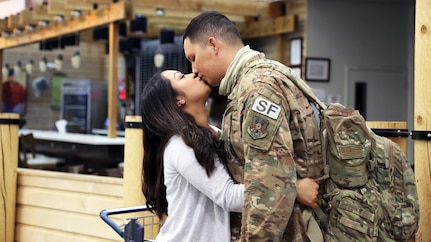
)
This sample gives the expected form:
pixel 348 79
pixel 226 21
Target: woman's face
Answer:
pixel 189 85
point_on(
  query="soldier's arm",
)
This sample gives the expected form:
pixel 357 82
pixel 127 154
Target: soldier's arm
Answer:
pixel 270 173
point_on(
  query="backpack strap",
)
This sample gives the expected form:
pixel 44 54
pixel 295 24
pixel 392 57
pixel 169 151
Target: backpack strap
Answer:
pixel 287 71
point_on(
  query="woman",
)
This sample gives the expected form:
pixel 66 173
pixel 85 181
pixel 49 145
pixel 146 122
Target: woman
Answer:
pixel 184 177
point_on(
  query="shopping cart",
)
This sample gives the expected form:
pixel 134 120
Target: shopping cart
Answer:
pixel 132 229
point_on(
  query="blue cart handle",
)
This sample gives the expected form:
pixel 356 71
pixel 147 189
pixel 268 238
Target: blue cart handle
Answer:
pixel 105 213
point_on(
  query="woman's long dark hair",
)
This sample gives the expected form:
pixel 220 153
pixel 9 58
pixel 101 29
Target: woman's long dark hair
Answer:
pixel 161 119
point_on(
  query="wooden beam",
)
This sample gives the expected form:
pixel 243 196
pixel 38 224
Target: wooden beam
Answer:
pixel 57 7
pixel 40 12
pixel 422 115
pixel 279 25
pixel 3 24
pixel 26 17
pixel 115 12
pixel 78 4
pixel 234 7
pixel 13 21
pixel 178 14
pixel 113 79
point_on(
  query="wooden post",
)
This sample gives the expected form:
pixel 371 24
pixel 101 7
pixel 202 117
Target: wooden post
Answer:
pixel 422 115
pixel 133 157
pixel 133 163
pixel 8 174
pixel 113 79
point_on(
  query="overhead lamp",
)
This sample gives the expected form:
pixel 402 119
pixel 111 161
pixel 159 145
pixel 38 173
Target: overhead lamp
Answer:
pixel 30 27
pixel 5 34
pixel 17 31
pixel 75 13
pixel 167 36
pixel 160 12
pixel 58 62
pixel 29 66
pixel 17 67
pixel 101 33
pixel 5 70
pixel 76 57
pixel 159 59
pixel 42 64
pixel 76 60
pixel 43 23
pixel 139 24
pixel 58 18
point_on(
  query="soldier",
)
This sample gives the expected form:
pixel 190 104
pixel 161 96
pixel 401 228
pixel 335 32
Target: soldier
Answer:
pixel 269 129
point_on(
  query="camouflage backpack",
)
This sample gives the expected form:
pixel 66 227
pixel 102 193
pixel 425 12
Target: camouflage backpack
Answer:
pixel 370 190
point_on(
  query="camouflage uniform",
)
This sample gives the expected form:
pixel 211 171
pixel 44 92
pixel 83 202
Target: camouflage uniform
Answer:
pixel 270 133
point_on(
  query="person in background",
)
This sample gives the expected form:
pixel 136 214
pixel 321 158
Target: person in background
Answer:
pixel 269 130
pixel 14 95
pixel 184 176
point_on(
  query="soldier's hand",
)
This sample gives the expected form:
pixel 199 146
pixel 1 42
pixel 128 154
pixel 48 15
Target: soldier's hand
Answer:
pixel 307 191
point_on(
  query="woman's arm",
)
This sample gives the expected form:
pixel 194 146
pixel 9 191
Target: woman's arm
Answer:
pixel 219 187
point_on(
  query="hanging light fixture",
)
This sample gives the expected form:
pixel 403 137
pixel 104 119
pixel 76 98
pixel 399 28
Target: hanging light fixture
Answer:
pixel 159 59
pixel 167 36
pixel 5 70
pixel 29 66
pixel 139 24
pixel 42 64
pixel 76 57
pixel 17 67
pixel 58 62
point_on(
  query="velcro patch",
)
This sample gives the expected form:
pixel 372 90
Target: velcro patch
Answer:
pixel 266 107
pixel 257 129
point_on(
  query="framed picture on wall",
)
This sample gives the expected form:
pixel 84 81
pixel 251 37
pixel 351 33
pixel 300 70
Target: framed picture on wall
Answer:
pixel 296 51
pixel 317 69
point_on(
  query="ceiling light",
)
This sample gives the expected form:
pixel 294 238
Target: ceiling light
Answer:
pixel 76 60
pixel 17 31
pixel 29 66
pixel 139 24
pixel 76 13
pixel 160 12
pixel 59 18
pixel 30 27
pixel 42 64
pixel 43 23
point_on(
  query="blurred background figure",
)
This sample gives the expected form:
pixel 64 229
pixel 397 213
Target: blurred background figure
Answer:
pixel 14 95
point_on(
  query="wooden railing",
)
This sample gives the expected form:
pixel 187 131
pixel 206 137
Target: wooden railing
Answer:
pixel 57 206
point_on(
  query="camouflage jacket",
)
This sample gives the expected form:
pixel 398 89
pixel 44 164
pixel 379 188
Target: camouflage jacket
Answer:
pixel 270 133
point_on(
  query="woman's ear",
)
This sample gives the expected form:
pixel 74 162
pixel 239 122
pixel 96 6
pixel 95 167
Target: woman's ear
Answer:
pixel 180 101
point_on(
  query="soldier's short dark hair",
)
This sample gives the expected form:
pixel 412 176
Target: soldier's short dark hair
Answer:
pixel 212 23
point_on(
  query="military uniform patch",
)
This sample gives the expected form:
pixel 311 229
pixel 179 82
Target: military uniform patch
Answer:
pixel 257 129
pixel 266 107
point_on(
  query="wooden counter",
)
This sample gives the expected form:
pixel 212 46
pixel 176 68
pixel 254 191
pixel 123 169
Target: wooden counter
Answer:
pixel 95 152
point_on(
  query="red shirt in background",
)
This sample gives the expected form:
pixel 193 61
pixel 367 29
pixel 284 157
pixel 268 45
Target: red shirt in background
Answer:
pixel 13 93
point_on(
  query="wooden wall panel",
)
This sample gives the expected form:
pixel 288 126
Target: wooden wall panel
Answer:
pixel 56 206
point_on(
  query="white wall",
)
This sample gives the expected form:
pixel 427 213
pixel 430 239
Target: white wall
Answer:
pixel 363 33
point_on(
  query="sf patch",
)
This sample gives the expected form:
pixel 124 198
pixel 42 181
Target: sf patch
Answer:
pixel 257 129
pixel 261 123
pixel 266 108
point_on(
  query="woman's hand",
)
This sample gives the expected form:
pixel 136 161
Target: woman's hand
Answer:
pixel 307 191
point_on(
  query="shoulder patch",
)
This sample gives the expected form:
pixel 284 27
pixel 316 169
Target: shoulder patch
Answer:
pixel 266 107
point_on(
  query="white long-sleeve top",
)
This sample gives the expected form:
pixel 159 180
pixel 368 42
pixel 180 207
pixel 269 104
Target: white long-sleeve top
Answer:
pixel 198 205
